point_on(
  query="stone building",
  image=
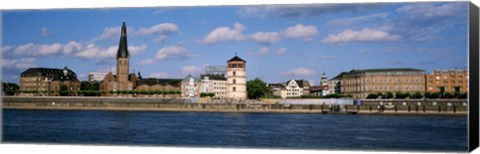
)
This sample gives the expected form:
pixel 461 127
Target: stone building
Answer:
pixel 150 84
pixel 48 81
pixel 123 80
pixel 360 83
pixel 278 89
pixel 447 81
pixel 190 87
pixel 236 78
pixel 334 85
pixel 213 83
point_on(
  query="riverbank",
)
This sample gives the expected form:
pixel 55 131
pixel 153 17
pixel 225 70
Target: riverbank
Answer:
pixel 186 105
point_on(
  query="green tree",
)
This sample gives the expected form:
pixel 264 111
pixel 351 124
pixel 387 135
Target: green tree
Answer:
pixel 63 90
pixel 256 88
pixel 372 96
pixel 417 95
pixel 387 95
pixel 10 88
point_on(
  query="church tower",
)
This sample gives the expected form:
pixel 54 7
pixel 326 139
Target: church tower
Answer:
pixel 123 56
pixel 324 81
pixel 236 78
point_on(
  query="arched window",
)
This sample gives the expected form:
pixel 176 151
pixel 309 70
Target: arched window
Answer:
pixel 234 81
pixel 234 73
pixel 234 89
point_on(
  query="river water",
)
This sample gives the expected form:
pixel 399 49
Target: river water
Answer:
pixel 250 130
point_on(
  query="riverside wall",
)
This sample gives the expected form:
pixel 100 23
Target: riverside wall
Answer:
pixel 394 107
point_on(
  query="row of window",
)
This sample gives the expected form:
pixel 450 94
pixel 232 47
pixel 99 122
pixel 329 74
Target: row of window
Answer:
pixel 389 80
pixel 383 88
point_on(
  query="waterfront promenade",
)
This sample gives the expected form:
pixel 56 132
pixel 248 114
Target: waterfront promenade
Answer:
pixel 394 107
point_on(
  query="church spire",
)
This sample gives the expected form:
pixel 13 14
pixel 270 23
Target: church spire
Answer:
pixel 122 46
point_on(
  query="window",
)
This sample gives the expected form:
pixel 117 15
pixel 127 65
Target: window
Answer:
pixel 234 73
pixel 234 89
pixel 234 81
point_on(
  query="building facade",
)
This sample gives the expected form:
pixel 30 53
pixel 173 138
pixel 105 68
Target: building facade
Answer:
pixel 190 87
pixel 48 81
pixel 447 81
pixel 360 83
pixel 294 89
pixel 212 83
pixel 236 78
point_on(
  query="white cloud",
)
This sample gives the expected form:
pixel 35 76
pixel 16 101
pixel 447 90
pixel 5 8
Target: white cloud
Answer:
pixel 262 51
pixel 364 35
pixel 45 32
pixel 77 49
pixel 358 19
pixel 302 10
pixel 327 57
pixel 22 63
pixel 110 33
pixel 281 51
pixel 31 49
pixel 173 52
pixel 430 10
pixel 148 61
pixel 266 38
pixel 301 31
pixel 223 34
pixel 191 69
pixel 135 50
pixel 252 11
pixel 159 75
pixel 92 51
pixel 162 29
pixel 298 72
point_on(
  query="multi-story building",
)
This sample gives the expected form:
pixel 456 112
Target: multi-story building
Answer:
pixel 216 84
pixel 334 86
pixel 96 76
pixel 447 81
pixel 190 87
pixel 294 89
pixel 123 80
pixel 360 83
pixel 322 88
pixel 236 78
pixel 278 89
pixel 48 81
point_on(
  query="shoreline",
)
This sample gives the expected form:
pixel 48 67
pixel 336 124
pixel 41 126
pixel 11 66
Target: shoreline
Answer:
pixel 402 113
pixel 372 107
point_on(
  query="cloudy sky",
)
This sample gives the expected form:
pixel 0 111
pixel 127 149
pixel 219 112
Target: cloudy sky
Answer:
pixel 279 42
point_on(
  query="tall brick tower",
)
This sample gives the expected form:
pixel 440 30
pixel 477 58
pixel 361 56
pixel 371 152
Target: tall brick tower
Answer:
pixel 236 78
pixel 123 56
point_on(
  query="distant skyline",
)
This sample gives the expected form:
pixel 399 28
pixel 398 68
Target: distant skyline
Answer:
pixel 279 42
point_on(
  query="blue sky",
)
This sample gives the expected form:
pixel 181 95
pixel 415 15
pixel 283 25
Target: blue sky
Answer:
pixel 279 42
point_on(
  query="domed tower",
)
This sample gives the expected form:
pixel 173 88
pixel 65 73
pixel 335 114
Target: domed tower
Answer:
pixel 236 78
pixel 324 80
pixel 123 56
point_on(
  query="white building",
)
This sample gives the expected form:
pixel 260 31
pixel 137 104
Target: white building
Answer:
pixel 236 78
pixel 190 87
pixel 96 76
pixel 216 84
pixel 293 89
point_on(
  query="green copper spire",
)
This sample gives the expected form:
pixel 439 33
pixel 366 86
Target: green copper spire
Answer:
pixel 122 46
